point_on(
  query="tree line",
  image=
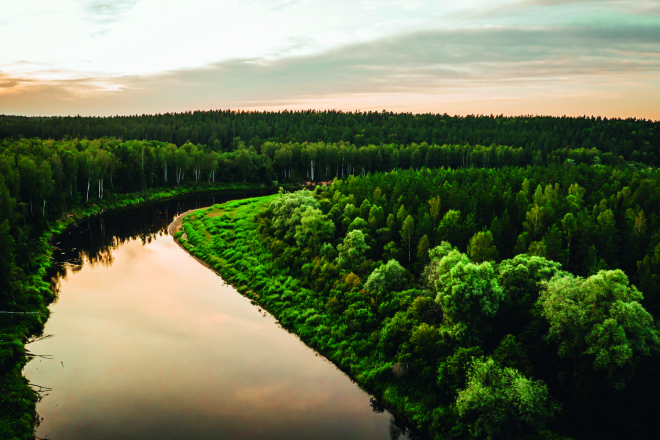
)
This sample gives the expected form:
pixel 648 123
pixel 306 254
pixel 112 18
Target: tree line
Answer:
pixel 47 177
pixel 631 139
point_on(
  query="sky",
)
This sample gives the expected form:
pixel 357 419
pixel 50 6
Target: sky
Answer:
pixel 512 57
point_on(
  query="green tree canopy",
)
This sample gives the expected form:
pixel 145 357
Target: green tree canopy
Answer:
pixel 482 247
pixel 599 317
pixel 388 277
pixel 352 251
pixel 314 229
pixel 468 294
pixel 502 403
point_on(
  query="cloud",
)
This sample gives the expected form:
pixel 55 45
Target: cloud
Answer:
pixel 107 11
pixel 272 5
pixel 585 65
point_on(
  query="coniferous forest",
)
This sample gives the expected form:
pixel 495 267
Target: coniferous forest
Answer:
pixel 482 276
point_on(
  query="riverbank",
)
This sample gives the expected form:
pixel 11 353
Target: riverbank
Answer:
pixel 224 237
pixel 18 397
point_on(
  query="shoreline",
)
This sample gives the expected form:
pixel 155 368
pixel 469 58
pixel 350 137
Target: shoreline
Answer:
pixel 248 292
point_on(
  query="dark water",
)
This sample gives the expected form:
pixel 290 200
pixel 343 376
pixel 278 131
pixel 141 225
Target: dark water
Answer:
pixel 149 344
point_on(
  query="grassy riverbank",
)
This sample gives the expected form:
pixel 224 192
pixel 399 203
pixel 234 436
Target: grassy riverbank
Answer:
pixel 18 398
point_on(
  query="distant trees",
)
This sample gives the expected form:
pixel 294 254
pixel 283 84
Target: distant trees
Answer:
pixel 529 140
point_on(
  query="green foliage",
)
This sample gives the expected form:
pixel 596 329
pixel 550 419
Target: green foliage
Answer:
pixel 287 210
pixel 328 252
pixel 450 140
pixel 452 372
pixel 599 318
pixel 520 277
pixel 6 257
pixel 280 252
pixel 314 229
pixel 502 403
pixel 352 251
pixel 407 232
pixel 482 248
pixel 425 340
pixel 468 294
pixel 388 277
pixel 413 348
pixel 512 354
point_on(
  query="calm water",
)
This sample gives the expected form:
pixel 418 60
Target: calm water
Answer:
pixel 149 344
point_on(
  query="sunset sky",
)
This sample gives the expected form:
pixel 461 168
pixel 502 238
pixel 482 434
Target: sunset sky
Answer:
pixel 106 57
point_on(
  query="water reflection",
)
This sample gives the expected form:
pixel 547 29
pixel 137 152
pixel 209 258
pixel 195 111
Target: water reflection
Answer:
pixel 92 241
pixel 151 344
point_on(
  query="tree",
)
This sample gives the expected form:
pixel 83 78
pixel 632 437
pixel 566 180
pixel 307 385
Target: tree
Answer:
pixel 29 177
pixel 453 371
pixel 286 210
pixel 401 214
pixel 502 403
pixel 45 184
pixel 553 246
pixel 314 229
pixel 389 277
pixel 511 354
pixel 482 247
pixel 365 209
pixel 6 257
pixel 534 223
pixel 520 277
pixel 352 251
pixel 198 162
pixel 537 249
pixel 599 317
pixel 407 232
pixel 435 209
pixel 328 252
pixel 450 227
pixel 425 339
pixel 182 163
pixel 244 163
pixel 211 165
pixel 468 294
pixel 359 223
pixel 569 224
pixel 391 251
pixel 376 216
pixel 432 270
pixel 423 249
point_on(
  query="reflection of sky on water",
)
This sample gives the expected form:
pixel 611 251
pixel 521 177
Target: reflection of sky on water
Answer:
pixel 154 345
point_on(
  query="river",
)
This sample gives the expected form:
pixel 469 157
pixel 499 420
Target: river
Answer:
pixel 149 344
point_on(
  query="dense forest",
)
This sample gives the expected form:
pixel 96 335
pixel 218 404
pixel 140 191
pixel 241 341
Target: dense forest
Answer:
pixel 533 197
pixel 631 139
pixel 478 303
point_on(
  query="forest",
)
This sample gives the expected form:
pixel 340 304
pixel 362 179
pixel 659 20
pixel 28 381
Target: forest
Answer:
pixel 477 303
pixel 430 267
pixel 631 139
